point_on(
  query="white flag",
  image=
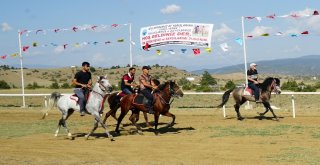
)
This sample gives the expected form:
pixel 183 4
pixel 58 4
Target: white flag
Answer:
pixel 224 47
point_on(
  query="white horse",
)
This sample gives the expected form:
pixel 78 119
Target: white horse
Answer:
pixel 67 105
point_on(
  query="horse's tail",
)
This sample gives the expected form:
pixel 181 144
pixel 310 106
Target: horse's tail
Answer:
pixel 225 97
pixel 52 103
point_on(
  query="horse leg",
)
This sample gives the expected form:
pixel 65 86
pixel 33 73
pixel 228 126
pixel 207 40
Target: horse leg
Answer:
pixel 145 115
pixel 59 125
pixel 236 108
pixel 269 107
pixel 97 118
pixel 95 126
pixel 122 115
pixel 156 120
pixel 62 122
pixel 262 114
pixel 173 118
pixel 134 122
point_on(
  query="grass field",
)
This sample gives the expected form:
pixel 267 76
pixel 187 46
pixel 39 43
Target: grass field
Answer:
pixel 201 135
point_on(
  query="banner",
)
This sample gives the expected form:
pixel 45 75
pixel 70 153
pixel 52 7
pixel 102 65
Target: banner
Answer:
pixel 191 34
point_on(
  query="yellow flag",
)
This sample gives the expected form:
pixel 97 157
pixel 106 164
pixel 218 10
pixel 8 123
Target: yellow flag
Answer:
pixel 158 52
pixel 208 50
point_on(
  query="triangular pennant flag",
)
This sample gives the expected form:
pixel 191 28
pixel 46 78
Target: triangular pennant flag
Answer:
pixel 294 15
pixel 95 43
pixel 34 44
pixel 250 17
pixel 250 36
pixel 23 31
pixel 171 51
pixel 94 27
pixel 265 34
pixel 114 25
pixel 75 29
pixel 56 30
pixel 133 43
pixel 284 16
pixel 120 40
pixel 65 46
pixel 146 47
pixel 271 16
pixel 196 51
pixel 53 44
pixel 224 47
pixel 279 34
pixel 25 48
pixel 259 19
pixel 315 12
pixel 14 54
pixel 294 35
pixel 208 50
pixel 239 41
pixel 183 50
pixel 4 57
pixel 107 42
pixel 38 31
pixel 305 32
pixel 76 45
pixel 158 52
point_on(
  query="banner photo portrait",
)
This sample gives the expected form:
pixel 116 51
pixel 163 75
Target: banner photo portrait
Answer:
pixel 190 34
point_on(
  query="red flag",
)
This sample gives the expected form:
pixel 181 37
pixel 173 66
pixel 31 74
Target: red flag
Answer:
pixel 38 31
pixel 250 17
pixel 146 47
pixel 25 48
pixel 271 16
pixel 75 29
pixel 196 51
pixel 294 15
pixel 56 30
pixel 249 36
pixel 4 57
pixel 94 27
pixel 305 32
pixel 65 46
pixel 114 25
pixel 315 12
pixel 23 31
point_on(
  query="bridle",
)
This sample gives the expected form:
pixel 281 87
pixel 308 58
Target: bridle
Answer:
pixel 274 87
pixel 172 94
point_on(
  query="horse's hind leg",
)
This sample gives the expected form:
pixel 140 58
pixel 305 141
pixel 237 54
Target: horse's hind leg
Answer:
pixel 97 117
pixel 237 108
pixel 95 126
pixel 123 113
pixel 133 119
pixel 269 107
pixel 173 118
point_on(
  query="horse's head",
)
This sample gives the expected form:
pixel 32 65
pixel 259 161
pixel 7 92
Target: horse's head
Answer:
pixel 277 88
pixel 174 89
pixel 104 84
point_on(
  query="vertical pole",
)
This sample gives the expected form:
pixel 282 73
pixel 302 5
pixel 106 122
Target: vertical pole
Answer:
pixel 244 50
pixel 21 68
pixel 45 102
pixel 293 107
pixel 130 44
pixel 224 111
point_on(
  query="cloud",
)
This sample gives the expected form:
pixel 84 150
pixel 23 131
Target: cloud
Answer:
pixel 5 27
pixel 259 30
pixel 220 34
pixel 59 49
pixel 170 9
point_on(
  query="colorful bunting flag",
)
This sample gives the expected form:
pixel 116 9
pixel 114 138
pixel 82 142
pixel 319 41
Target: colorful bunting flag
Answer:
pixel 239 41
pixel 171 51
pixel 75 29
pixel 208 50
pixel 107 42
pixel 315 12
pixel 14 54
pixel 4 57
pixel 279 34
pixel 114 25
pixel 293 35
pixel 305 32
pixel 120 40
pixel 23 31
pixel 95 43
pixel 158 52
pixel 65 46
pixel 183 50
pixel 146 47
pixel 196 51
pixel 224 47
pixel 265 34
pixel 34 44
pixel 271 16
pixel 94 27
pixel 56 30
pixel 259 19
pixel 25 48
pixel 38 31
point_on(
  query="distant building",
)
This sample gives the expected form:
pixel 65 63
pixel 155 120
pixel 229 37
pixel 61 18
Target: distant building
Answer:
pixel 190 78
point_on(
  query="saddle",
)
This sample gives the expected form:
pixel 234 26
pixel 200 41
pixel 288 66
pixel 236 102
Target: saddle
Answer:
pixel 249 92
pixel 140 99
pixel 76 98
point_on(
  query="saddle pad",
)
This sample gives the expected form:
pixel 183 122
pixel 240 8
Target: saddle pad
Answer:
pixel 74 97
pixel 140 99
pixel 248 91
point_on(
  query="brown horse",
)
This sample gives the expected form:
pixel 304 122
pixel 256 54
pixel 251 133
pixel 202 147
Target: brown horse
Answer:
pixel 114 106
pixel 161 105
pixel 269 84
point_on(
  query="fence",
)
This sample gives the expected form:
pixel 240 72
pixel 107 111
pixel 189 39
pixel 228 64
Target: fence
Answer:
pixel 46 97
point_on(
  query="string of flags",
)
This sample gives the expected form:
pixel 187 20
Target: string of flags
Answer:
pixel 274 16
pixel 277 34
pixel 71 29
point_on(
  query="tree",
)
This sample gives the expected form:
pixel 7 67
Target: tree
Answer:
pixel 207 79
pixel 4 85
pixel 54 85
pixel 230 85
pixel 92 69
pixel 65 86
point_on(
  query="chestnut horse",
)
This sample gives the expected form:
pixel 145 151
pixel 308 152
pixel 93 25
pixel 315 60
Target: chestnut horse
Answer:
pixel 269 84
pixel 161 105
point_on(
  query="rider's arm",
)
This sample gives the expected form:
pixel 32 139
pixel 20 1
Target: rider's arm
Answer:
pixel 74 82
pixel 146 84
pixel 128 84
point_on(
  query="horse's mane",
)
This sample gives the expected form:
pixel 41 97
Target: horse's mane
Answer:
pixel 162 86
pixel 268 81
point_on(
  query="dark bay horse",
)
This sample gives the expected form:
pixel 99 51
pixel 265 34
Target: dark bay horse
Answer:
pixel 269 84
pixel 114 106
pixel 161 105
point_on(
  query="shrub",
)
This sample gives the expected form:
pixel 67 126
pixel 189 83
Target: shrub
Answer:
pixel 65 86
pixel 4 85
pixel 54 85
pixel 230 85
pixel 207 79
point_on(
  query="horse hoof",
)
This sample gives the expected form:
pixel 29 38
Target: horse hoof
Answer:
pixel 240 118
pixel 140 132
pixel 69 134
pixel 156 133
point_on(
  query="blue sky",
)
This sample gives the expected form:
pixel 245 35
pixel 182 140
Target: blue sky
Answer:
pixel 224 14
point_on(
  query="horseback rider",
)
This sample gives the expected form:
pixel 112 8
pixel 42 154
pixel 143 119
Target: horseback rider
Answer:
pixel 82 80
pixel 146 87
pixel 253 81
pixel 127 81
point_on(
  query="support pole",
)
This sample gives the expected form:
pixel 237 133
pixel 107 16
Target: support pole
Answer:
pixel 293 107
pixel 21 68
pixel 224 111
pixel 130 44
pixel 45 102
pixel 244 53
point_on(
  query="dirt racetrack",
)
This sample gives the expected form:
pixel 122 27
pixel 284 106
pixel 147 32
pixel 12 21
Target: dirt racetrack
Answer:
pixel 200 136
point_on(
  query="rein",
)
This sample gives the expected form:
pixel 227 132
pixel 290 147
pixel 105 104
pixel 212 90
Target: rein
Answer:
pixel 171 94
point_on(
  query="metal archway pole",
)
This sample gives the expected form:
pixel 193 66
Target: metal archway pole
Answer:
pixel 21 68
